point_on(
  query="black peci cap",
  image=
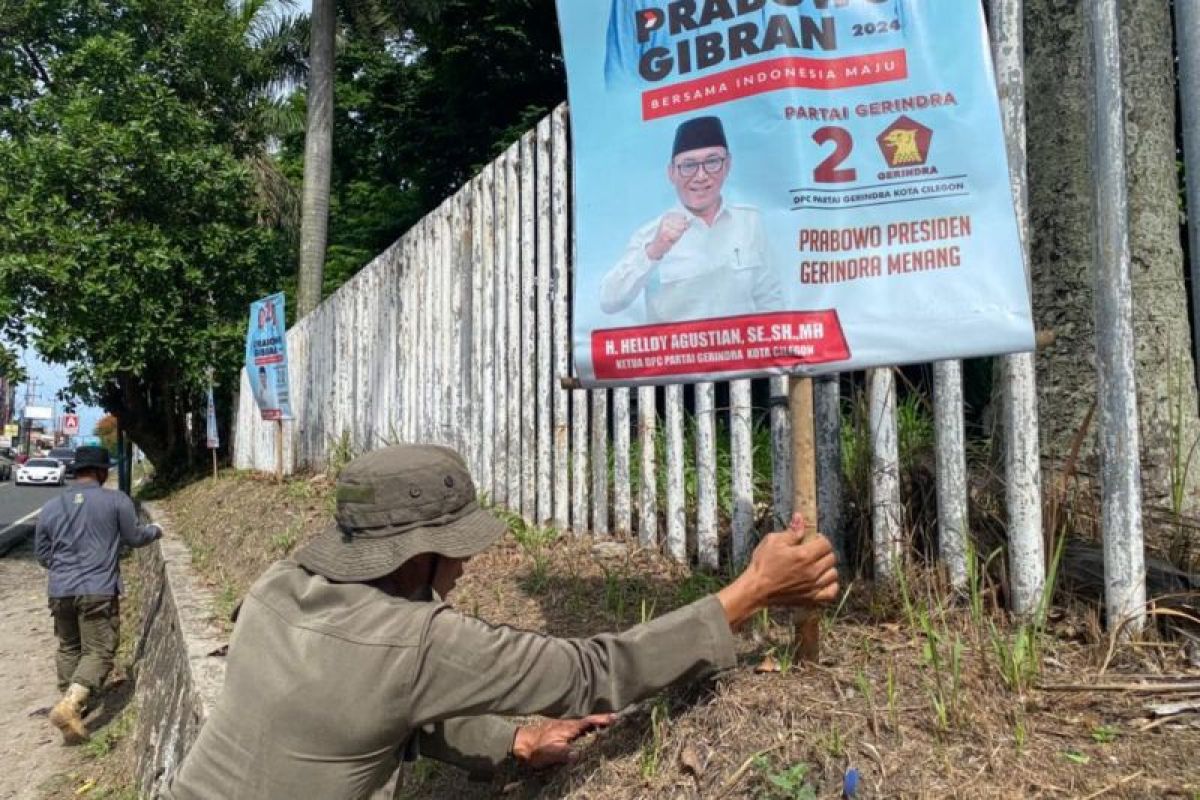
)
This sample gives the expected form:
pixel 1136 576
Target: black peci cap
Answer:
pixel 697 133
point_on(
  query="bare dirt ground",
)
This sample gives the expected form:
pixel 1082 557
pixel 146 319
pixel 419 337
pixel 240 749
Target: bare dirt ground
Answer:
pixel 34 764
pixel 911 695
pixel 31 750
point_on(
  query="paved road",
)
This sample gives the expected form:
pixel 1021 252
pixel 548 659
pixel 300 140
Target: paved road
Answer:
pixel 18 510
pixel 30 749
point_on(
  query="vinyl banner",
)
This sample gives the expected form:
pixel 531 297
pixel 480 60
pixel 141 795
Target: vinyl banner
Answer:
pixel 212 439
pixel 787 186
pixel 266 357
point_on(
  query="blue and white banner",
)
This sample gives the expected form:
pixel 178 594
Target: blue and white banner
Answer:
pixel 212 440
pixel 266 357
pixel 787 186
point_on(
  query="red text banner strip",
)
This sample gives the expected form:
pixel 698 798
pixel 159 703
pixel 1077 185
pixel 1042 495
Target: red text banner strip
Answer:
pixel 733 344
pixel 794 72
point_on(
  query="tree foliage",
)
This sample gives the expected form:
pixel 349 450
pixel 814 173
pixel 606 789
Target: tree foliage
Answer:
pixel 132 214
pixel 106 429
pixel 425 95
pixel 485 72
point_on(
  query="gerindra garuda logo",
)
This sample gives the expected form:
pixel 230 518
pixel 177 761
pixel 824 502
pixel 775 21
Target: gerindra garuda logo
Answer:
pixel 905 143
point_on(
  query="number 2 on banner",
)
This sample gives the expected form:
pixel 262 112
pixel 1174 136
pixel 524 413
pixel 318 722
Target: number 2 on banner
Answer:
pixel 827 171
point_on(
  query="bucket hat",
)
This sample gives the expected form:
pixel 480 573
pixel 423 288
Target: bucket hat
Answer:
pixel 92 456
pixel 396 503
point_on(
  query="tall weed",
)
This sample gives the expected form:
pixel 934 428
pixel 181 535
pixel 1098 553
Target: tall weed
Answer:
pixel 1018 652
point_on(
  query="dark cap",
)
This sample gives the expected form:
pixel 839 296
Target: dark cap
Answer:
pixel 697 133
pixel 396 503
pixel 92 456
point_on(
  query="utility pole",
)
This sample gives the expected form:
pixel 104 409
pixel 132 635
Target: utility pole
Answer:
pixel 5 411
pixel 30 395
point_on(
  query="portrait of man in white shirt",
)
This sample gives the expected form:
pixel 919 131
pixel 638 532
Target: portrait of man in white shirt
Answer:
pixel 264 391
pixel 703 258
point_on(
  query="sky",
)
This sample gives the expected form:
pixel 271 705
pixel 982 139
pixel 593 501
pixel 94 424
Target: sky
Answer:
pixel 50 379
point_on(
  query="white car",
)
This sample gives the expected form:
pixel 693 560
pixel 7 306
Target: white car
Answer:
pixel 40 471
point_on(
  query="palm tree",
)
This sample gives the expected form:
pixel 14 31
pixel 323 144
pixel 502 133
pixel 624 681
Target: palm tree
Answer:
pixel 373 17
pixel 318 157
pixel 1061 208
pixel 277 65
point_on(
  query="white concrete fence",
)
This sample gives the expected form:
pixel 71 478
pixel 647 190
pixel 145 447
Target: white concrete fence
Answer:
pixel 460 332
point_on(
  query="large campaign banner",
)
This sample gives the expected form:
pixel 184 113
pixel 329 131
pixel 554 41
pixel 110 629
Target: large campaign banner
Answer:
pixel 266 357
pixel 799 186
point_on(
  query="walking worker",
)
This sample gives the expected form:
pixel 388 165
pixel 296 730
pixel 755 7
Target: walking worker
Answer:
pixel 78 539
pixel 347 658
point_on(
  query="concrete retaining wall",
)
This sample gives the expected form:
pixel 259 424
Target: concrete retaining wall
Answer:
pixel 179 660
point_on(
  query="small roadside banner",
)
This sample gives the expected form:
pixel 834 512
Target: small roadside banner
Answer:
pixel 266 358
pixel 212 440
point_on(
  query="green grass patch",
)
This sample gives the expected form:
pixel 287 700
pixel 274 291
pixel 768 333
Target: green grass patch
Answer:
pixel 109 736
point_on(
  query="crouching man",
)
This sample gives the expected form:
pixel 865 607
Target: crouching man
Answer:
pixel 346 659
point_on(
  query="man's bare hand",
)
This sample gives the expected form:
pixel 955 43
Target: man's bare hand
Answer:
pixel 670 230
pixel 786 569
pixel 549 743
pixel 795 571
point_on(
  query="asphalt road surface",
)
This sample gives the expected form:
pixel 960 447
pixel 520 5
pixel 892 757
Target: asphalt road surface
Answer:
pixel 18 510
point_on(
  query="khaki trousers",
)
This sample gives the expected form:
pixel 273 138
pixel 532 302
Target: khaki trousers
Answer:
pixel 88 628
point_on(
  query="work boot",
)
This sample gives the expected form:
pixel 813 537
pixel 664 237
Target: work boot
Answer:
pixel 67 715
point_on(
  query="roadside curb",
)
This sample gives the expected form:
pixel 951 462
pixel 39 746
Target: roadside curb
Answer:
pixel 15 535
pixel 179 658
pixel 14 538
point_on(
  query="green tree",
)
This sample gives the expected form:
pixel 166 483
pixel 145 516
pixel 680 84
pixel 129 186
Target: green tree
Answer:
pixel 132 214
pixel 483 74
pixel 426 94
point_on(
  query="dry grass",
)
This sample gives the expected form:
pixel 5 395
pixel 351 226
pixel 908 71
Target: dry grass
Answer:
pixel 910 694
pixel 240 523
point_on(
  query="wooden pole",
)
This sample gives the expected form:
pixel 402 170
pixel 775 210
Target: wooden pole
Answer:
pixel 120 451
pixel 214 460
pixel 806 622
pixel 279 450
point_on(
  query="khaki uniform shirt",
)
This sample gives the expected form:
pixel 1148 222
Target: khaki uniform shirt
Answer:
pixel 327 682
pixel 717 270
